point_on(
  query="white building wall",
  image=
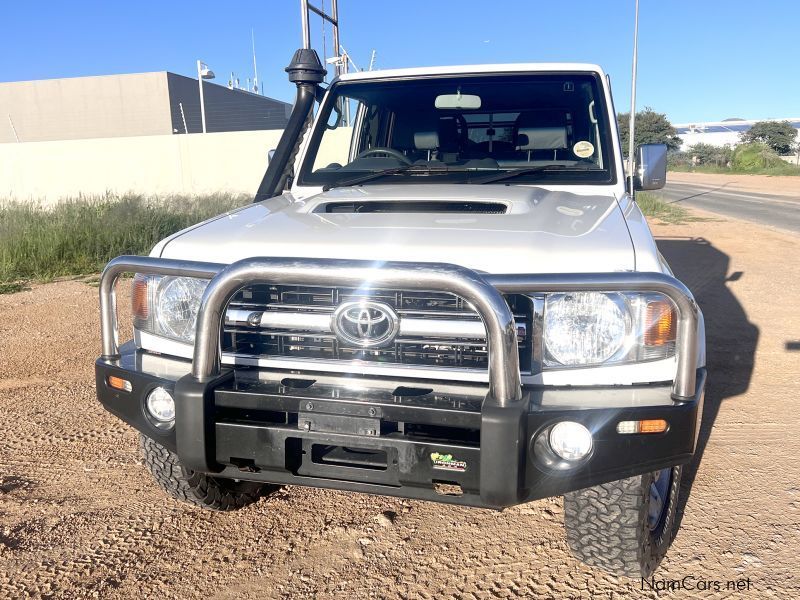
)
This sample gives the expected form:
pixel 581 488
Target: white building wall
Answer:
pixel 726 138
pixel 721 133
pixel 233 161
pixel 151 165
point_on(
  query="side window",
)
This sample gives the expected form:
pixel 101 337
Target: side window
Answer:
pixel 335 144
pixel 372 127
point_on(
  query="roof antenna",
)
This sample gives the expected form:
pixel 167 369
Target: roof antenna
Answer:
pixel 632 119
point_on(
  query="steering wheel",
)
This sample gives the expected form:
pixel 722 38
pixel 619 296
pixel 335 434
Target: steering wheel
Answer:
pixel 388 151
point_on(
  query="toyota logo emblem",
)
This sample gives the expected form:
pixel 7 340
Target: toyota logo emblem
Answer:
pixel 365 324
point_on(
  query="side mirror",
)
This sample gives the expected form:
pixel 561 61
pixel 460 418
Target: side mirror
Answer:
pixel 270 155
pixel 650 171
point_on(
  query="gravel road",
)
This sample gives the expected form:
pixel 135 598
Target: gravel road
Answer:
pixel 79 517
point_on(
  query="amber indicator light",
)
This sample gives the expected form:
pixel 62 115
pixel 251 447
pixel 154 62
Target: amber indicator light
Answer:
pixel 118 383
pixel 660 319
pixel 652 426
pixel 139 298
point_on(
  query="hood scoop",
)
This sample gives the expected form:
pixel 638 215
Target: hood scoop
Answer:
pixel 414 206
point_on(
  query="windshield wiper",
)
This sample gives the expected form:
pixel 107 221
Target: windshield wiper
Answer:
pixel 515 173
pixel 377 175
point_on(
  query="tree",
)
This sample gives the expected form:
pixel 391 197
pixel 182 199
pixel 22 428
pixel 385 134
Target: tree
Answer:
pixel 755 156
pixel 778 135
pixel 651 128
pixel 708 154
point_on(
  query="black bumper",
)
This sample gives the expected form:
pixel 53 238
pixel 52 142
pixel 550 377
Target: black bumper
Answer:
pixel 418 439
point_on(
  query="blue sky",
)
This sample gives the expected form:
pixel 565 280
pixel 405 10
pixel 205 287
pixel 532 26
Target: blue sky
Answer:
pixel 698 60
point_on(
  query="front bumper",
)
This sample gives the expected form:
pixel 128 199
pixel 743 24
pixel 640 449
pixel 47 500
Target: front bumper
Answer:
pixel 394 437
pixel 403 438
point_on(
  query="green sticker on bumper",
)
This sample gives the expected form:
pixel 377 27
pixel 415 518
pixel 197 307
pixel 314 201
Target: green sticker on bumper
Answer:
pixel 447 462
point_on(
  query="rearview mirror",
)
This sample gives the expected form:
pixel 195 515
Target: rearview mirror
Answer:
pixel 650 172
pixel 459 100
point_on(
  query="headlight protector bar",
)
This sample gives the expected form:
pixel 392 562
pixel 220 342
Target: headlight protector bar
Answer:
pixel 484 292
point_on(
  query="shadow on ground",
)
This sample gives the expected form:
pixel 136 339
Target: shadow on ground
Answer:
pixel 731 339
pixel 697 195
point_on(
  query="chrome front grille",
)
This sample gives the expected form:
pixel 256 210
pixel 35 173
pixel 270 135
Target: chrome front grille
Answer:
pixel 436 329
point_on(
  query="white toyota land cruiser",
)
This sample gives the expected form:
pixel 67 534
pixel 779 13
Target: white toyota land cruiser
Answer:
pixel 444 291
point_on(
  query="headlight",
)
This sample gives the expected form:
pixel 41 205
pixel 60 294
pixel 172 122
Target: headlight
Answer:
pixel 178 301
pixel 584 328
pixel 594 328
pixel 167 306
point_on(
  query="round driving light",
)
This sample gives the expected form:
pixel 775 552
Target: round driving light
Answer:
pixel 570 440
pixel 160 405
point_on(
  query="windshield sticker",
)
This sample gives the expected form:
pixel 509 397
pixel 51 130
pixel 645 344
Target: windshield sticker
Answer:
pixel 447 462
pixel 583 149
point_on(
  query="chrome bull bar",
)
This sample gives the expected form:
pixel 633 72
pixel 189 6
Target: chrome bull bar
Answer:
pixel 483 292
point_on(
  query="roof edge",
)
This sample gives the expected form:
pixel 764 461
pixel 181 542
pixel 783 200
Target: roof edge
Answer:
pixel 471 69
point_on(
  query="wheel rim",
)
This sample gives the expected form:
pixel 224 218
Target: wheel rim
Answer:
pixel 659 497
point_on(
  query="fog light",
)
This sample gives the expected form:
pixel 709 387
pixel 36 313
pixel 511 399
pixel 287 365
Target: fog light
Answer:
pixel 570 440
pixel 160 405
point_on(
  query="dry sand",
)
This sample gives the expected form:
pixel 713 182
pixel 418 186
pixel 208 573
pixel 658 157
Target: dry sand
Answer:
pixel 79 517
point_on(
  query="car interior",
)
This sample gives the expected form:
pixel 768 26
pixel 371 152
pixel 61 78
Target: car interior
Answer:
pixel 517 124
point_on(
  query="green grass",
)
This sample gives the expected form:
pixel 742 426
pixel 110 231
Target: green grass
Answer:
pixel 78 236
pixel 654 206
pixel 745 159
pixel 12 287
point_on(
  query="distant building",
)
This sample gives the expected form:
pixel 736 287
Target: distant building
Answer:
pixel 720 133
pixel 128 105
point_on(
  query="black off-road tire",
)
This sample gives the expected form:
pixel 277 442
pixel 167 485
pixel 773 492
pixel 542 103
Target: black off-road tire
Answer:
pixel 607 525
pixel 199 489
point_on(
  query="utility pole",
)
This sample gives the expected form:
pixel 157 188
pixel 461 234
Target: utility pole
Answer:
pixel 203 72
pixel 632 120
pixel 255 67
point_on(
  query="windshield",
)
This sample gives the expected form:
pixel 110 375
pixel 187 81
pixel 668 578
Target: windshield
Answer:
pixel 519 128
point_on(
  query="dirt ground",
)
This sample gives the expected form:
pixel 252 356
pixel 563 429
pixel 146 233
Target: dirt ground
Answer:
pixel 79 517
pixel 781 185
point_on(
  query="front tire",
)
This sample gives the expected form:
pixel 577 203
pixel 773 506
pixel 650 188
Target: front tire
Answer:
pixel 624 527
pixel 199 489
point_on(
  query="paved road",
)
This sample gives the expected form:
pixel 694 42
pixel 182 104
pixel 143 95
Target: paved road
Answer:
pixel 782 212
